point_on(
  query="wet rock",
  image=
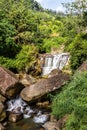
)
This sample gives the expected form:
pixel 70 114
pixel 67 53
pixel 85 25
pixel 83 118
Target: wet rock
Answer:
pixel 26 79
pixel 43 87
pixel 2 112
pixel 54 73
pixel 2 127
pixel 56 125
pixel 51 126
pixel 41 128
pixel 2 98
pixel 9 83
pixel 53 118
pixel 61 122
pixel 14 117
pixel 45 104
pixel 4 124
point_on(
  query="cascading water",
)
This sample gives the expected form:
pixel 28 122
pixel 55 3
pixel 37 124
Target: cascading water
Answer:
pixel 19 106
pixel 57 61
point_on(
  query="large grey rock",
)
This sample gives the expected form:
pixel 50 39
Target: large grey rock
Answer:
pixel 43 87
pixel 9 83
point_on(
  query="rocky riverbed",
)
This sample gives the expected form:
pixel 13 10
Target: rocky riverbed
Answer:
pixel 15 109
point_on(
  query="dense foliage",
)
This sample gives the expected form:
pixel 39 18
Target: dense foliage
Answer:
pixel 24 61
pixel 78 50
pixel 8 48
pixel 26 22
pixel 73 101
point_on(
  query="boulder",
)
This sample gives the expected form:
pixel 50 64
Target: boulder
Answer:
pixel 51 126
pixel 44 86
pixel 2 112
pixel 56 125
pixel 9 83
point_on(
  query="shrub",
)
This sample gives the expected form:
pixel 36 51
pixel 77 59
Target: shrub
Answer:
pixel 7 62
pixel 27 57
pixel 53 42
pixel 24 60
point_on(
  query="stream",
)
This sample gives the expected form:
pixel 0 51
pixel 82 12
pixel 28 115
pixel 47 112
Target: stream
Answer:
pixel 25 124
pixel 33 118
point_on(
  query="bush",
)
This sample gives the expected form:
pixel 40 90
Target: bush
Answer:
pixel 73 101
pixel 7 62
pixel 53 42
pixel 27 57
pixel 24 60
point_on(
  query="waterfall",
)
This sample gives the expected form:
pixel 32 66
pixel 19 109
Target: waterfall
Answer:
pixel 57 61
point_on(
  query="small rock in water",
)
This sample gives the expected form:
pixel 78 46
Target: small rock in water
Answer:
pixel 2 127
pixel 14 117
pixel 43 104
pixel 27 112
pixel 41 128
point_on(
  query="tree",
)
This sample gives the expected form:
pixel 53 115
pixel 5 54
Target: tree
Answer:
pixel 76 11
pixel 8 48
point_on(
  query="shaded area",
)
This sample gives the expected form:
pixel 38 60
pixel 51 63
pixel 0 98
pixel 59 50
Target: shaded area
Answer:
pixel 25 124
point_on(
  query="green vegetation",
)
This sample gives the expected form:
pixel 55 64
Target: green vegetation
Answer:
pixel 24 61
pixel 27 58
pixel 24 23
pixel 73 101
pixel 26 29
pixel 53 42
pixel 78 50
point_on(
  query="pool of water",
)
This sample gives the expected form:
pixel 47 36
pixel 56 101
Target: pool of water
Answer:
pixel 25 124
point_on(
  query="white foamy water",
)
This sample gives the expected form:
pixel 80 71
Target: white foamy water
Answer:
pixel 40 118
pixel 27 112
pixel 57 61
pixel 19 106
